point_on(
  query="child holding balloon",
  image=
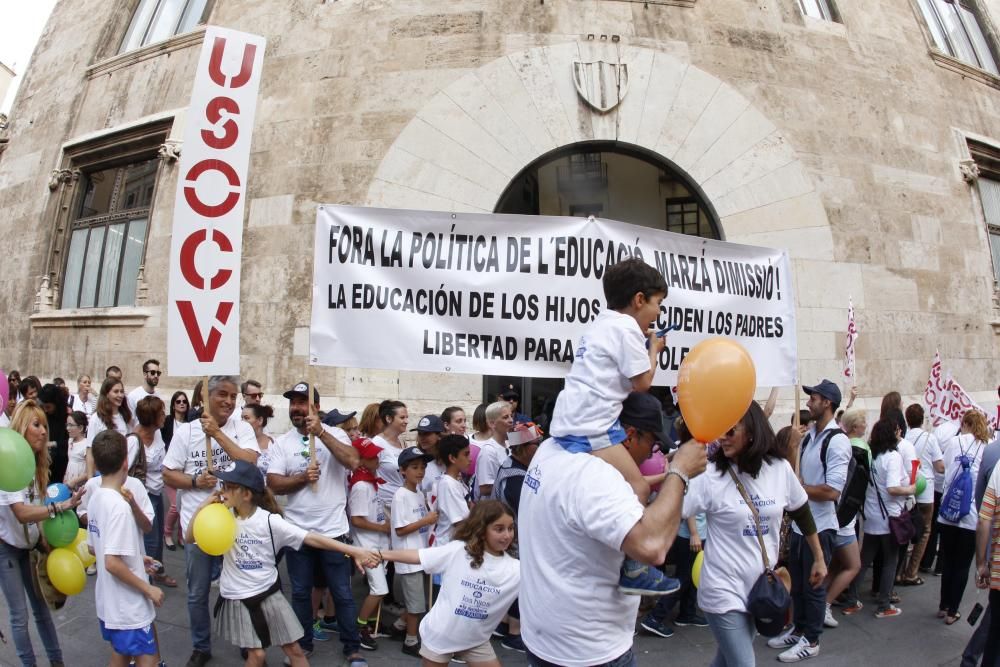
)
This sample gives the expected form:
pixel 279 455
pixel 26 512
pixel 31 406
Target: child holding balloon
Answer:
pixel 617 355
pixel 125 599
pixel 249 613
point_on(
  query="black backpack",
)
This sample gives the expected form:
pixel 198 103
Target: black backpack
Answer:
pixel 852 497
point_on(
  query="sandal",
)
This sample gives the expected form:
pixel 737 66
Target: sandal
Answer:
pixel 951 620
pixel 165 580
pixel 915 581
pixel 941 613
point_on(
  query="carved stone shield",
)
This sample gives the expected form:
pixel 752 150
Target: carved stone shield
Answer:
pixel 601 84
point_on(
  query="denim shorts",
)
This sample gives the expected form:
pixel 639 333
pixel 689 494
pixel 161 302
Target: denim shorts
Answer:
pixel 593 443
pixel 138 641
pixel 843 540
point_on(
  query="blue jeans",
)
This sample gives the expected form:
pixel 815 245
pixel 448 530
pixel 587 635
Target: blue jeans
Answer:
pixel 808 603
pixel 337 570
pixel 15 580
pixel 734 632
pixel 201 569
pixel 626 659
pixel 153 540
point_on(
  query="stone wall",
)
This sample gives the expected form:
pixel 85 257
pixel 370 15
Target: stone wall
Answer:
pixel 840 142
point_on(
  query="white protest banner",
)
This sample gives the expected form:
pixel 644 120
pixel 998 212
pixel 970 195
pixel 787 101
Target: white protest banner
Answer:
pixel 511 295
pixel 850 372
pixel 203 311
pixel 945 398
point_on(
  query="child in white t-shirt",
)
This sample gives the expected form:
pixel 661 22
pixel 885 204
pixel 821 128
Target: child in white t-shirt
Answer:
pixel 452 493
pixel 124 598
pixel 411 525
pixel 479 581
pixel 616 356
pixel 253 614
pixel 370 529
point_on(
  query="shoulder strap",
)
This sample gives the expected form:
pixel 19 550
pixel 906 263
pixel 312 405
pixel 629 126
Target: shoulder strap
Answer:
pixel 271 533
pixel 881 503
pixel 756 518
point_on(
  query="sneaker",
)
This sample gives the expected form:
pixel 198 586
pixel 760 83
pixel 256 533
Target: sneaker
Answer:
pixel 658 628
pixel 412 649
pixel 647 581
pixel 368 642
pixel 91 570
pixel 828 620
pixel 514 643
pixel 288 661
pixel 888 612
pixel 501 630
pixel 319 634
pixel 696 621
pixel 785 639
pixel 329 626
pixel 853 608
pixel 803 650
pixel 198 658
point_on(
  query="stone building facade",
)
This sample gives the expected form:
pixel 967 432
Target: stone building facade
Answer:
pixel 864 137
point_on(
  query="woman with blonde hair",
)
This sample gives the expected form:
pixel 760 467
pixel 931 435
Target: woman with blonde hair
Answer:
pixel 20 513
pixel 370 424
pixel 958 535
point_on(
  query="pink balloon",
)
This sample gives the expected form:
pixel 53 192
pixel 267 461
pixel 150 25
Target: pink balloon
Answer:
pixel 654 465
pixel 4 391
pixel 473 457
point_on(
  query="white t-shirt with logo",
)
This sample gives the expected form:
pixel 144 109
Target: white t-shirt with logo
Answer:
pixel 111 530
pixel 365 503
pixel 187 454
pixel 575 512
pixel 491 456
pixel 966 444
pixel 928 451
pixel 608 356
pixel 888 470
pixel 388 469
pixel 733 560
pixel 319 507
pixel 452 507
pixel 134 486
pixel 249 568
pixel 472 601
pixel 408 507
pixel 12 530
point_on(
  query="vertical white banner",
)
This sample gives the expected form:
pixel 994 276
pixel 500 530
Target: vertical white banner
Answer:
pixel 203 307
pixel 850 372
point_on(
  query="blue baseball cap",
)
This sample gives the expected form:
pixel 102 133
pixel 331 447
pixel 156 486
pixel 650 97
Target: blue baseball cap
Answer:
pixel 429 424
pixel 828 390
pixel 243 473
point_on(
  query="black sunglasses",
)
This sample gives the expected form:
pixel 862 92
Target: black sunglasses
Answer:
pixel 154 372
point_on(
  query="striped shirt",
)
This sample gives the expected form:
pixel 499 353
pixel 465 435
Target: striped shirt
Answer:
pixel 988 511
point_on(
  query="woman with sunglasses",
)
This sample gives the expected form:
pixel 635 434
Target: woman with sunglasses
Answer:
pixel 178 415
pixel 747 460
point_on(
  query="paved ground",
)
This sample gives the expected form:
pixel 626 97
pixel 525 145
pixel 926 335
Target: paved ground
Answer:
pixel 915 639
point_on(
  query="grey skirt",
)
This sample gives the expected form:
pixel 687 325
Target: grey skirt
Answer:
pixel 233 622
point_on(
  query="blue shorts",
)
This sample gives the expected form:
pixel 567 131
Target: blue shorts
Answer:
pixel 139 641
pixel 592 443
pixel 843 540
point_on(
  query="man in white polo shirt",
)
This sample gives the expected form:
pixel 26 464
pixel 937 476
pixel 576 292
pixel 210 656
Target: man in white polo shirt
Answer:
pixel 317 501
pixel 577 520
pixel 185 469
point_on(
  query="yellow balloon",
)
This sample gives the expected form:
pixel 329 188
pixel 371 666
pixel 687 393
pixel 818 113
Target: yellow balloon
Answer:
pixel 699 560
pixel 715 385
pixel 215 529
pixel 66 571
pixel 80 548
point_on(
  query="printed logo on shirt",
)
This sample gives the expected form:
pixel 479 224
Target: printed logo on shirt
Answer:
pixel 473 604
pixel 92 528
pixel 581 348
pixel 533 479
pixel 245 560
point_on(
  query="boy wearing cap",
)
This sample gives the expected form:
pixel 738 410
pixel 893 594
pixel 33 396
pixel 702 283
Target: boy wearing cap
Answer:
pixel 429 430
pixel 370 529
pixel 411 524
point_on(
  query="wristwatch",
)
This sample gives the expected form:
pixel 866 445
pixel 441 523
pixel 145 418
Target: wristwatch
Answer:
pixel 194 481
pixel 682 477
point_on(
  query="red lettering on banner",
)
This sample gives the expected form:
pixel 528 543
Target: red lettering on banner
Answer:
pixel 204 350
pixel 188 250
pixel 191 195
pixel 230 127
pixel 215 64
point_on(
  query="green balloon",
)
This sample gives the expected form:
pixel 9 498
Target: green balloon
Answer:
pixel 17 461
pixel 921 484
pixel 61 529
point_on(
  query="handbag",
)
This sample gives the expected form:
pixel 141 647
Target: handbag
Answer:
pixel 903 527
pixel 768 601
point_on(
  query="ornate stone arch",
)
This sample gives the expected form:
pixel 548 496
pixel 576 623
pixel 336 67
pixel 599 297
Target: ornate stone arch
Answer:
pixel 470 140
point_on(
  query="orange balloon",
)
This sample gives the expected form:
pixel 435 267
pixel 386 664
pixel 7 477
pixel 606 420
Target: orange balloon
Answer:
pixel 715 385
